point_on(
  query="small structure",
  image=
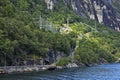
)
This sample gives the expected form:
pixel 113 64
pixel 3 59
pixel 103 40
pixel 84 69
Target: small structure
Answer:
pixel 65 28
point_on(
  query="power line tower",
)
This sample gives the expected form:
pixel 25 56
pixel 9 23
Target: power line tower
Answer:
pixel 45 24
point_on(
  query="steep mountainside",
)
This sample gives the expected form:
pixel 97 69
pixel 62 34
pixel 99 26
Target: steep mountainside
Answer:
pixel 103 11
pixel 58 31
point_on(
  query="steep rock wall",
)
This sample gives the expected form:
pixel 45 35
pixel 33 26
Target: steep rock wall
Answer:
pixel 102 11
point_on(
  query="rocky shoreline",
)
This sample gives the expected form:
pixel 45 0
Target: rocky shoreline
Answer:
pixel 22 69
pixel 37 68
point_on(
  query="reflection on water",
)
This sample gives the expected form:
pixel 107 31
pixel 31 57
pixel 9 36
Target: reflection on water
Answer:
pixel 102 72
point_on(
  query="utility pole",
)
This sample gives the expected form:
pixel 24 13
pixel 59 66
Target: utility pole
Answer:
pixel 95 24
pixel 67 22
pixel 5 60
pixel 40 23
pixel 34 60
pixel 5 64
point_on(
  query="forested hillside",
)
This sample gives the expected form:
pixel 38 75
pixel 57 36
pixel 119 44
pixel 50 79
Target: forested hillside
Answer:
pixel 30 32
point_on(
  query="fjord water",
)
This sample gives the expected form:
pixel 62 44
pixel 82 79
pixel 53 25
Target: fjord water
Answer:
pixel 101 72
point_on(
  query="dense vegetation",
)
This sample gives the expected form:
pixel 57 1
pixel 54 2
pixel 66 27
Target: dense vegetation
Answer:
pixel 21 35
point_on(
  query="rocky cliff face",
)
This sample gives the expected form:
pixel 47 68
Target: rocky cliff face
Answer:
pixel 103 11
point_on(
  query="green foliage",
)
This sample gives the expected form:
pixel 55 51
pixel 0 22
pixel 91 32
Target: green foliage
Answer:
pixel 90 52
pixel 86 52
pixel 63 61
pixel 20 36
pixel 107 56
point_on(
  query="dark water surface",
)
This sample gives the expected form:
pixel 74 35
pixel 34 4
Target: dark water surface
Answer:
pixel 101 72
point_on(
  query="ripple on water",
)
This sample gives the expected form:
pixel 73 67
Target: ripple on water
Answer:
pixel 102 72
